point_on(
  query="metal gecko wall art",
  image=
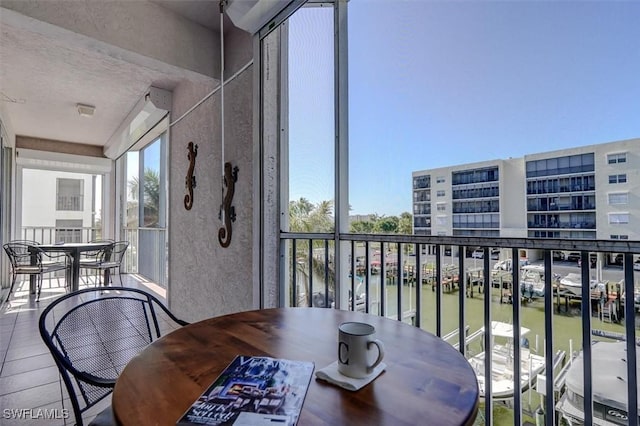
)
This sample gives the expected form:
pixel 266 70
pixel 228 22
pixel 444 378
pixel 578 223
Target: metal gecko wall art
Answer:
pixel 227 211
pixel 190 181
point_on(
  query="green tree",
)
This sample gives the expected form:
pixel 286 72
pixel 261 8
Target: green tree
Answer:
pixel 151 195
pixel 405 224
pixel 387 225
pixel 361 227
pixel 304 216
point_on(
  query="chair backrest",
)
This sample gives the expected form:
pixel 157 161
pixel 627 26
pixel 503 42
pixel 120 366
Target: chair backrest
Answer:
pixel 93 333
pixel 20 253
pixel 30 242
pixel 98 253
pixel 118 250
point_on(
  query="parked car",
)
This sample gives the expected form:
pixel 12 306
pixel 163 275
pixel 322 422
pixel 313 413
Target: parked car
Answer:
pixel 574 256
pixel 558 255
pixel 636 265
pixel 478 254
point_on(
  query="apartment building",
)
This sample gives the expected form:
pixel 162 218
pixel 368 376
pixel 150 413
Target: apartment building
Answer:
pixel 56 205
pixel 588 192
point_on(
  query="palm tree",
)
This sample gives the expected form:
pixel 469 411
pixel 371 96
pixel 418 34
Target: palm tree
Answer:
pixel 151 195
pixel 304 216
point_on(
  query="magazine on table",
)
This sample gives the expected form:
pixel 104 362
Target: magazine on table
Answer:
pixel 253 390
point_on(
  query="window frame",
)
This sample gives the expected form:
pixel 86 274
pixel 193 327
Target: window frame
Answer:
pixel 271 152
pixel 624 195
pixel 79 195
pixel 623 218
pixel 617 158
pixel 617 178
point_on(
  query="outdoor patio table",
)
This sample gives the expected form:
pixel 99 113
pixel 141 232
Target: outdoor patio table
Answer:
pixel 74 250
pixel 426 380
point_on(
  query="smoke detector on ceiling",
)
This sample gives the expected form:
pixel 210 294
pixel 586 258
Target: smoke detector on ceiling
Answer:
pixel 85 110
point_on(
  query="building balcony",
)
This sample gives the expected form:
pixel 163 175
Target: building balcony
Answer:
pixel 562 225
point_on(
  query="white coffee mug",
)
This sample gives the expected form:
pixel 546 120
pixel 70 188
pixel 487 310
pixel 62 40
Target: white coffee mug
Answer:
pixel 355 342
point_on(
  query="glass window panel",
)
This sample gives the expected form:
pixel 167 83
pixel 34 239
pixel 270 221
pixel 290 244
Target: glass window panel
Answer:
pixel 133 189
pixel 588 159
pixel 311 120
pixel 69 194
pixel 615 218
pixel 151 185
pixel 619 198
pixel 563 162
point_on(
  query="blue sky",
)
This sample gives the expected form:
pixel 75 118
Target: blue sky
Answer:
pixel 439 83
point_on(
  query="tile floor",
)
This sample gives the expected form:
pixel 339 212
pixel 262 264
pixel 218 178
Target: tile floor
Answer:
pixel 30 386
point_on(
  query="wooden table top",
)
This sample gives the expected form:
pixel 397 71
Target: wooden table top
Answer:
pixel 426 381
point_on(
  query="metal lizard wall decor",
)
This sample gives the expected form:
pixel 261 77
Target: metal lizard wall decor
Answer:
pixel 230 179
pixel 190 181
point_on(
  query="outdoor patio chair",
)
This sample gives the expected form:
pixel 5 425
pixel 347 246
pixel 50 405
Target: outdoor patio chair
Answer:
pixel 93 254
pixel 93 257
pixel 93 333
pixel 108 258
pixel 31 242
pixel 28 259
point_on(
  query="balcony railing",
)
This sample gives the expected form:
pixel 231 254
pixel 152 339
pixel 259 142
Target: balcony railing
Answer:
pixel 408 278
pixel 52 234
pixel 146 254
pixel 69 202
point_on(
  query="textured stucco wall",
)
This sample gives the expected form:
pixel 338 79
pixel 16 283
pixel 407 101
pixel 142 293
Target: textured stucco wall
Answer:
pixel 238 50
pixel 205 279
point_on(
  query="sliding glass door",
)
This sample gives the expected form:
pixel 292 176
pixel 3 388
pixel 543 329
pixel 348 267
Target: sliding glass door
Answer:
pixel 145 210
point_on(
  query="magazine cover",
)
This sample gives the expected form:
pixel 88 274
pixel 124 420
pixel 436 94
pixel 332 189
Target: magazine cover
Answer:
pixel 253 391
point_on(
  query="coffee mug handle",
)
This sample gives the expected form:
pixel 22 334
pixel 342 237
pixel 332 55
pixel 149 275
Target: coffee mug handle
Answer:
pixel 380 346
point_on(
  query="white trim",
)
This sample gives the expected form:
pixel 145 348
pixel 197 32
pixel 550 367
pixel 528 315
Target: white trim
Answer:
pixel 252 15
pixel 341 166
pixel 154 105
pixel 35 159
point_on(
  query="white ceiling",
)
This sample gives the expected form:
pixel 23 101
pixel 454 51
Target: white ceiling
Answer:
pixel 43 78
pixel 204 12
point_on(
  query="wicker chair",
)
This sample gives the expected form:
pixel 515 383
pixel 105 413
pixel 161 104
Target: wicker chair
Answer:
pixel 93 333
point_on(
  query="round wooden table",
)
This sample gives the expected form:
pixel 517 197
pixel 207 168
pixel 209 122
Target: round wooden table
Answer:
pixel 426 380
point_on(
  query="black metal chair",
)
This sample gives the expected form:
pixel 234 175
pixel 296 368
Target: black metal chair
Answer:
pixel 93 257
pixel 93 333
pixel 93 254
pixel 107 258
pixel 27 258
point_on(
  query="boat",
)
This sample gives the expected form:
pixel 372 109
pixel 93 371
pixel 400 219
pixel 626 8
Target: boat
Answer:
pixel 609 386
pixel 572 283
pixel 502 369
pixel 532 281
